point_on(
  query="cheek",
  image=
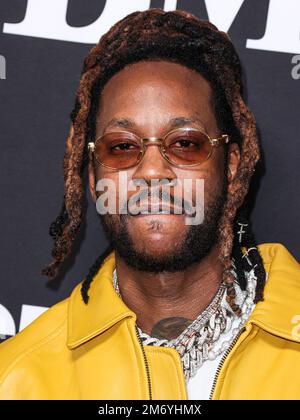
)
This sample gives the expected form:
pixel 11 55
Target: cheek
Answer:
pixel 106 184
pixel 116 186
pixel 210 177
pixel 216 173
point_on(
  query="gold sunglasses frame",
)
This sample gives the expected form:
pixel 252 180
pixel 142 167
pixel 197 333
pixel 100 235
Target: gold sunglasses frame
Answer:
pixel 214 142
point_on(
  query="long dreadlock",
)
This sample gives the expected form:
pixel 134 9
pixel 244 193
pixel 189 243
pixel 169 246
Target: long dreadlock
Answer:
pixel 180 37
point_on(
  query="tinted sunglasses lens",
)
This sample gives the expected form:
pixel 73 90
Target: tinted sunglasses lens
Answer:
pixel 187 147
pixel 118 150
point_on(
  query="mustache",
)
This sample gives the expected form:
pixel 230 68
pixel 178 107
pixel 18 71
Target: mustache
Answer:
pixel 160 199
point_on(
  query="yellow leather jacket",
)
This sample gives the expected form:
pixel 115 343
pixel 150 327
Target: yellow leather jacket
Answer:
pixel 78 351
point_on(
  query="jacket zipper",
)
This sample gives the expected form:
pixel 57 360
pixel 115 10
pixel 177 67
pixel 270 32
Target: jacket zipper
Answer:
pixel 223 360
pixel 146 363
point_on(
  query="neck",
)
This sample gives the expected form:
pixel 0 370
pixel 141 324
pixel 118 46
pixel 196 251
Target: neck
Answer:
pixel 178 298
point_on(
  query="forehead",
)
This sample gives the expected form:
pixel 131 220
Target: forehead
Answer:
pixel 154 91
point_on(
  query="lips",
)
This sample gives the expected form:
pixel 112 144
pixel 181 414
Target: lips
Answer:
pixel 157 208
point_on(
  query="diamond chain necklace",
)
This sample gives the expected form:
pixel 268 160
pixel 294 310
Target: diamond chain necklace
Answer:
pixel 200 340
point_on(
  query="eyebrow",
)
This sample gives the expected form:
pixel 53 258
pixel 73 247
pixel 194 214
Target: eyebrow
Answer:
pixel 172 123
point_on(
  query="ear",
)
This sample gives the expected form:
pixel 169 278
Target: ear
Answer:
pixel 92 180
pixel 234 157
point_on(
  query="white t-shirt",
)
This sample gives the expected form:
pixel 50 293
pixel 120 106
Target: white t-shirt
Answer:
pixel 199 386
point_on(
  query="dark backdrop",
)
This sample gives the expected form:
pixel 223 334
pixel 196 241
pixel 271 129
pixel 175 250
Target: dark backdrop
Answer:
pixel 39 74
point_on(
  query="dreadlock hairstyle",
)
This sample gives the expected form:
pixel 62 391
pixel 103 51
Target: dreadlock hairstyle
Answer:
pixel 180 37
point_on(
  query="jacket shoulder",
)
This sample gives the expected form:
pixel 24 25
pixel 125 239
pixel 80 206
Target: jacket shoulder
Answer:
pixel 41 334
pixel 277 253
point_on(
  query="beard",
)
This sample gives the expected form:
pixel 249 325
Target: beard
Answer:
pixel 196 244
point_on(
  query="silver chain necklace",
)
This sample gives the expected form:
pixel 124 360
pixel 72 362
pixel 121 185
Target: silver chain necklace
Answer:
pixel 198 342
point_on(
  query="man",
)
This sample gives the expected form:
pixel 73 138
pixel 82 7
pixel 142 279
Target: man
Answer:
pixel 173 309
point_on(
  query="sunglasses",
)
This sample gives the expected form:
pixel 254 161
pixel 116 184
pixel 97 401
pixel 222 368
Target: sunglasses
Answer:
pixel 182 147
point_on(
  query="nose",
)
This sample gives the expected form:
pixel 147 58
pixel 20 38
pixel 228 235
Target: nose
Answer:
pixel 153 165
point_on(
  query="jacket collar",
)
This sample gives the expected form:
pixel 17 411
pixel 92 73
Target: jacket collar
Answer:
pixel 103 310
pixel 277 314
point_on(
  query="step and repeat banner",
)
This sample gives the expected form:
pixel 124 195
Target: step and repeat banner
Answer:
pixel 42 47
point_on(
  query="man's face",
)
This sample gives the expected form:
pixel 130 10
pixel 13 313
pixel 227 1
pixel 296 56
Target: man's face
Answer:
pixel 150 94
